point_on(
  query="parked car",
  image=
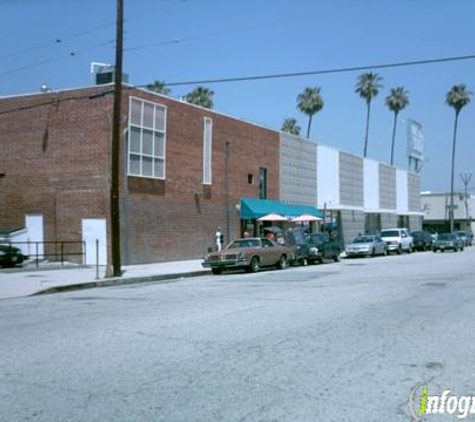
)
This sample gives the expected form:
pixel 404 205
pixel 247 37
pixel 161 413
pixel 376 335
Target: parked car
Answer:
pixel 298 241
pixel 10 256
pixel 422 240
pixel 249 254
pixel 398 240
pixel 448 241
pixel 322 246
pixel 466 237
pixel 366 246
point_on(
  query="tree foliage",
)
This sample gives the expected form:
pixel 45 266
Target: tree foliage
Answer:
pixel 291 126
pixel 310 102
pixel 159 87
pixel 201 96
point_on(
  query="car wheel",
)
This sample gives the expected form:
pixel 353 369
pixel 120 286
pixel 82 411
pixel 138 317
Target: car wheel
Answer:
pixel 336 257
pixel 461 250
pixel 386 252
pixel 304 262
pixel 254 266
pixel 373 253
pixel 410 249
pixel 283 262
pixel 399 250
pixel 216 271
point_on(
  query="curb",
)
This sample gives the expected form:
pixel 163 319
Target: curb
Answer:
pixel 120 282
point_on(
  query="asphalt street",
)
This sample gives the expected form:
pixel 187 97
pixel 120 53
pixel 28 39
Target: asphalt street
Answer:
pixel 339 342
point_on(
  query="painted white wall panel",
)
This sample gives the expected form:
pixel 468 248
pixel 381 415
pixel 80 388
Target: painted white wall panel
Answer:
pixel 328 177
pixel 92 229
pixel 402 201
pixel 34 226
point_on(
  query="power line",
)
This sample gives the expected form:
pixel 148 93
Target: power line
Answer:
pixel 62 40
pixel 57 101
pixel 274 76
pixel 323 71
pixel 56 41
pixel 42 62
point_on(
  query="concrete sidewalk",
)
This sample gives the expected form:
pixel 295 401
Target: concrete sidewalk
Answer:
pixel 27 281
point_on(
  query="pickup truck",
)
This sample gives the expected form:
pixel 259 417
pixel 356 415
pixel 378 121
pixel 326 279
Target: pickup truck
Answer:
pixel 397 239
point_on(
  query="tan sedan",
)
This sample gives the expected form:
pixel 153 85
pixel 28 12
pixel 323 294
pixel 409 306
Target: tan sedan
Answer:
pixel 250 254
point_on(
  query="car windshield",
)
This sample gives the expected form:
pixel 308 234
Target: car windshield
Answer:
pixel 244 243
pixel 318 238
pixel 446 236
pixel 461 234
pixel 299 237
pixel 390 233
pixel 363 239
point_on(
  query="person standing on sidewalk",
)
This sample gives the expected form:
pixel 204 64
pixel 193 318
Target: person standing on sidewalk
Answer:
pixel 219 239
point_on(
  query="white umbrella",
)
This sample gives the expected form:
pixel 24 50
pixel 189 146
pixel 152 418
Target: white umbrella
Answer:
pixel 272 217
pixel 306 217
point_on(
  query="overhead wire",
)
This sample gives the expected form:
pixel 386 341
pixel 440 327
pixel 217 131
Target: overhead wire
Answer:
pixel 321 71
pixel 260 77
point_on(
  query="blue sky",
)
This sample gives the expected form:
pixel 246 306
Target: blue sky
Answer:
pixel 222 39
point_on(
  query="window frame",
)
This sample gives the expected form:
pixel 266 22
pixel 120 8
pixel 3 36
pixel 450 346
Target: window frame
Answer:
pixel 262 183
pixel 207 150
pixel 154 157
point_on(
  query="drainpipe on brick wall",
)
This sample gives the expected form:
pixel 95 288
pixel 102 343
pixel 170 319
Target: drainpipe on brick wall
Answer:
pixel 226 181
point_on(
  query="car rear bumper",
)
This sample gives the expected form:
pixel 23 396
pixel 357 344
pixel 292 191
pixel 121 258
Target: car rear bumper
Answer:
pixel 357 253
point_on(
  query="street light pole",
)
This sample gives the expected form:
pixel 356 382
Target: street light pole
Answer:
pixel 116 140
pixel 466 180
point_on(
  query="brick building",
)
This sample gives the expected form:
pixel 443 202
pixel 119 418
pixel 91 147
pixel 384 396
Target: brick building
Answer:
pixel 185 169
pixel 185 172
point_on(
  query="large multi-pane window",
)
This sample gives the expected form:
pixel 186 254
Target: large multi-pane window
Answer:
pixel 147 130
pixel 207 149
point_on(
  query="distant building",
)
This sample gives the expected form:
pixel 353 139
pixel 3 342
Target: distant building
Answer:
pixel 357 195
pixel 436 208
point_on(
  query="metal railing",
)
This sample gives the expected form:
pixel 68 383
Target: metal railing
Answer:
pixel 59 251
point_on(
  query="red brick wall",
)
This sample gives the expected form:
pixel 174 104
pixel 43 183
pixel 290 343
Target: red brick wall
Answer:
pixel 54 153
pixel 165 219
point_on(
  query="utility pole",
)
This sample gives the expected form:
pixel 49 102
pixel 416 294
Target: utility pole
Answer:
pixel 116 141
pixel 466 180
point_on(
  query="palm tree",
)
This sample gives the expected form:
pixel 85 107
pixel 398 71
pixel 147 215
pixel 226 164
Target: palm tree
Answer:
pixel 201 96
pixel 396 101
pixel 457 98
pixel 310 102
pixel 368 87
pixel 159 87
pixel 290 126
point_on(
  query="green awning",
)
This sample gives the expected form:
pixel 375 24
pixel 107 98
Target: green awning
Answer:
pixel 252 208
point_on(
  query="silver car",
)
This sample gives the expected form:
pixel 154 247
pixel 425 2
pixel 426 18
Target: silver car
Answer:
pixel 367 246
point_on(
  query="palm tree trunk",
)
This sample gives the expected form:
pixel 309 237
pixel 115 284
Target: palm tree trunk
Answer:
pixel 452 174
pixel 367 130
pixel 309 125
pixel 394 138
